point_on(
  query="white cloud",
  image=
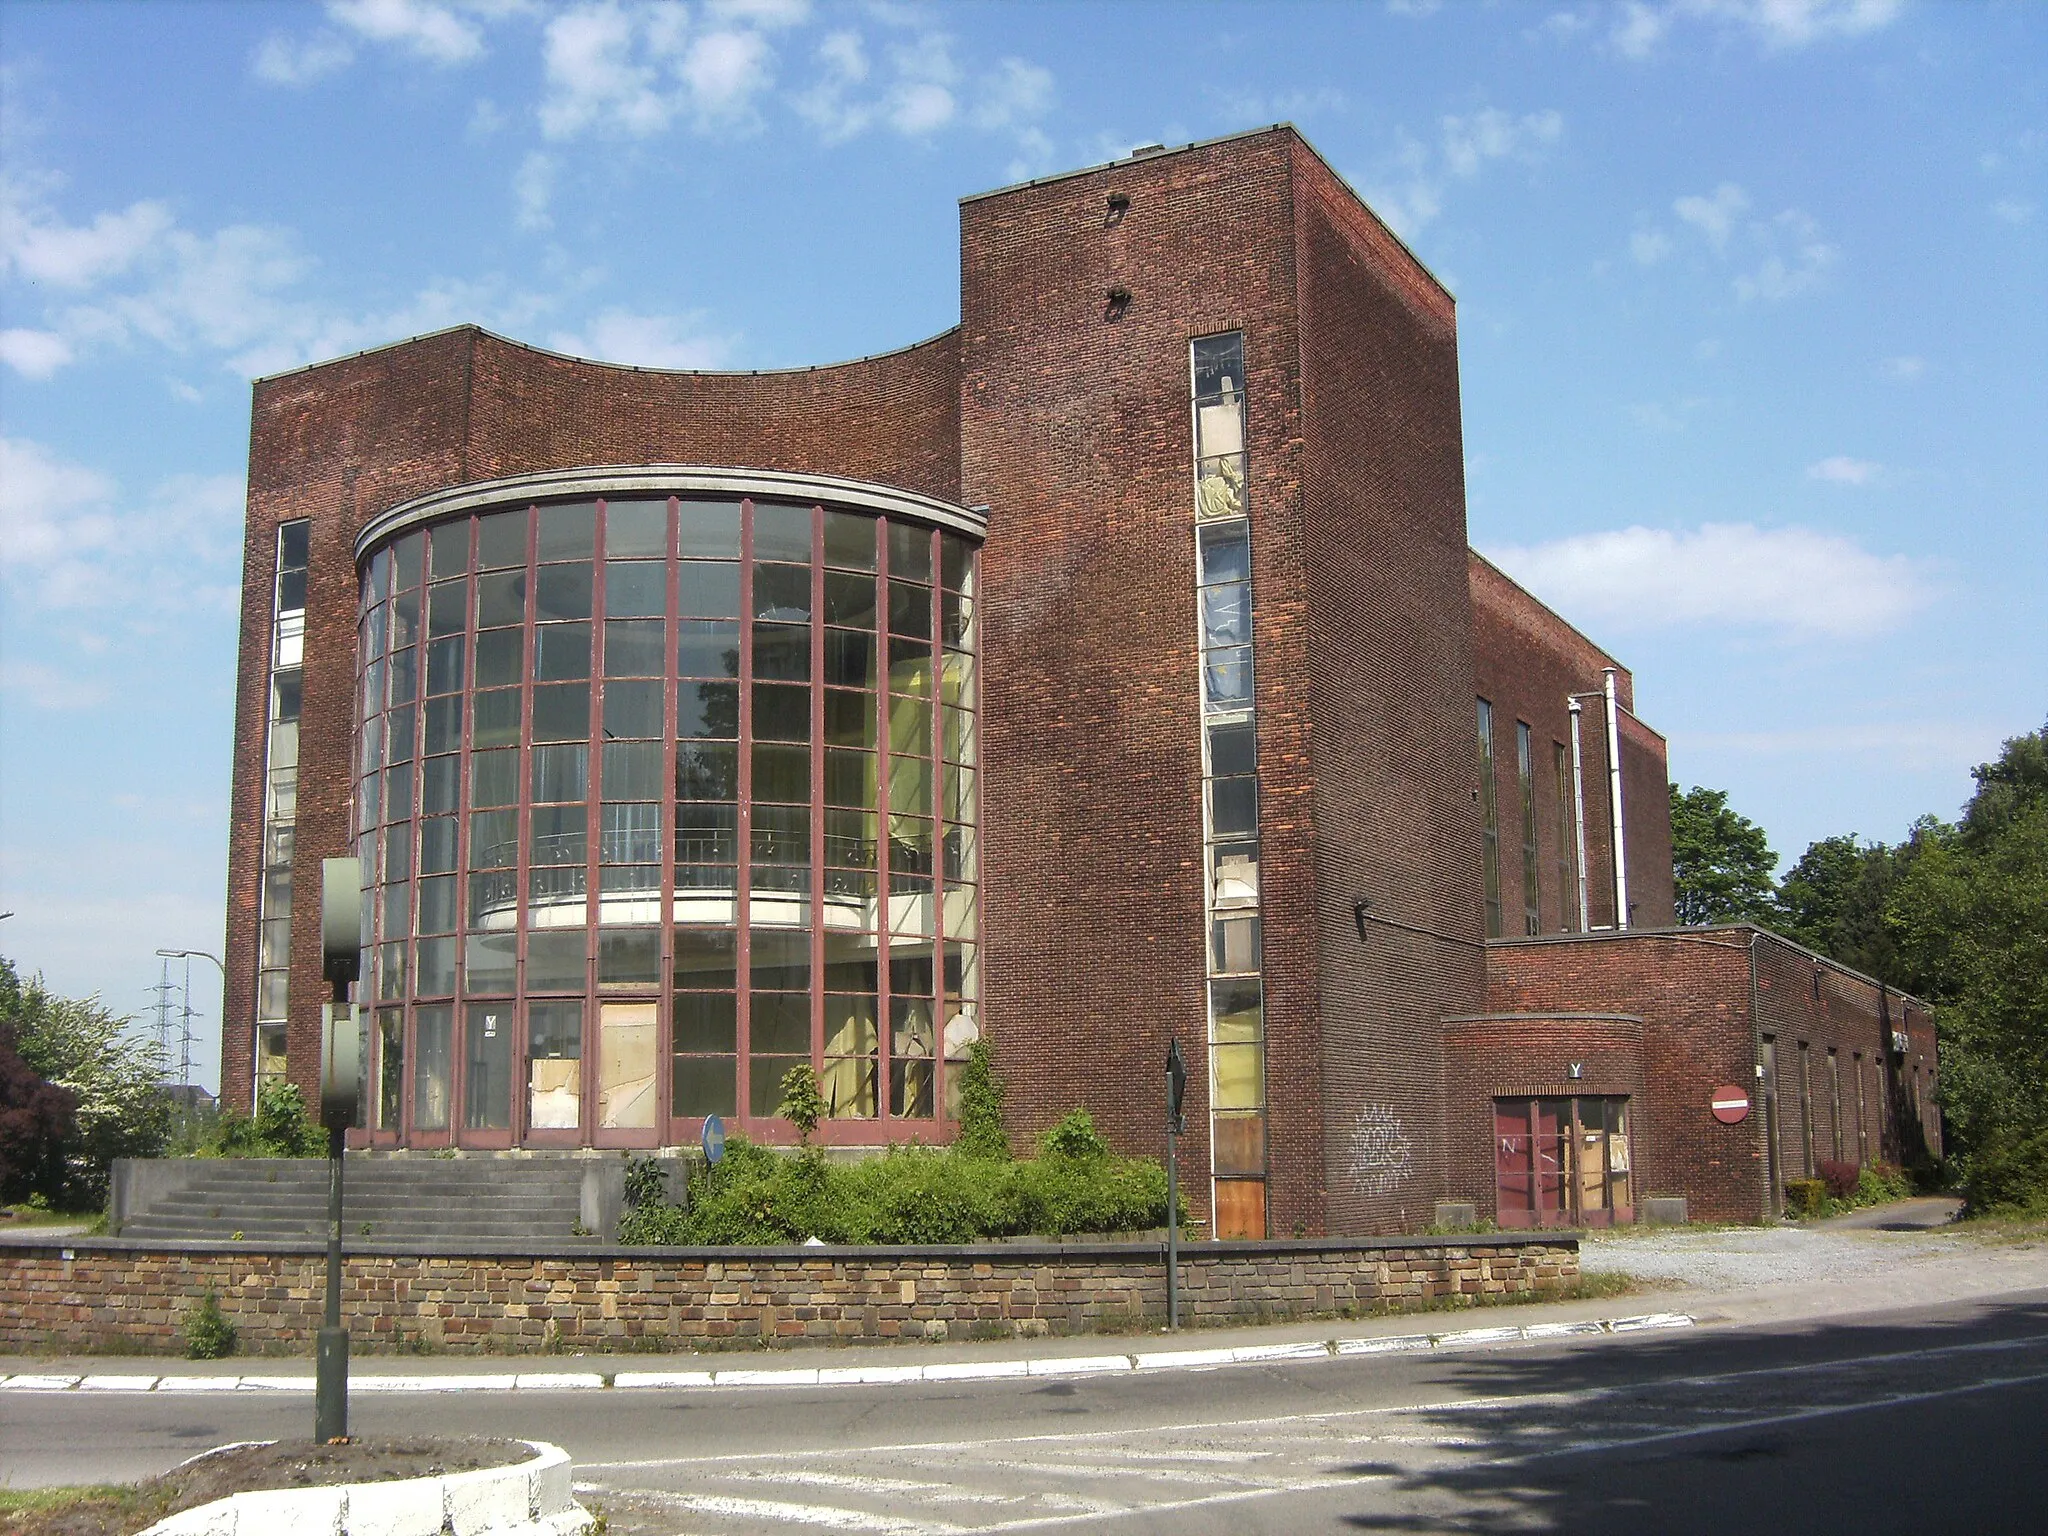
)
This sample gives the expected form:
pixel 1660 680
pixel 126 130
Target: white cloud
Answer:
pixel 1714 215
pixel 919 106
pixel 633 72
pixel 430 32
pixel 1470 142
pixel 34 354
pixel 1843 470
pixel 593 80
pixel 771 15
pixel 1412 196
pixel 1911 744
pixel 533 187
pixel 282 60
pixel 2012 210
pixel 1640 27
pixel 45 687
pixel 70 541
pixel 924 89
pixel 1903 370
pixel 37 245
pixel 725 71
pixel 1724 575
pixel 1016 91
pixel 1649 246
pixel 1796 258
pixel 646 341
pixel 1790 255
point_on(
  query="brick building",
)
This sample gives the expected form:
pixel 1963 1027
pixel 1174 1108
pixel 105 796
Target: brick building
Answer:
pixel 1109 669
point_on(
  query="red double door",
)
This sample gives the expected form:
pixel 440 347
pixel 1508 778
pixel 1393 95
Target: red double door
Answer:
pixel 1562 1162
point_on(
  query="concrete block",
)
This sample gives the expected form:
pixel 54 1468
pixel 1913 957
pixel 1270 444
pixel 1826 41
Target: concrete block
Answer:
pixel 413 1507
pixel 1665 1210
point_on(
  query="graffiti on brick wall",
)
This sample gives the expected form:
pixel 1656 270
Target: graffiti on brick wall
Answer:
pixel 1379 1158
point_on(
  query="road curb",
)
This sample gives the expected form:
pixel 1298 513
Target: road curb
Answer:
pixel 1141 1363
pixel 528 1498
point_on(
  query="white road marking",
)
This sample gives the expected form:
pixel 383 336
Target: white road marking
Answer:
pixel 828 1516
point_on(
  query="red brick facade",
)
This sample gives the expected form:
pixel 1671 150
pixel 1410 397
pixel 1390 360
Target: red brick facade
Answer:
pixel 1067 415
pixel 1669 1016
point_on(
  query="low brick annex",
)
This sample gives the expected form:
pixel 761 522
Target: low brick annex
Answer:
pixel 112 1296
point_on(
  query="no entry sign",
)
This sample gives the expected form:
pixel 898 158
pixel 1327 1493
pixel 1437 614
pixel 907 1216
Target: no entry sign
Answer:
pixel 1731 1104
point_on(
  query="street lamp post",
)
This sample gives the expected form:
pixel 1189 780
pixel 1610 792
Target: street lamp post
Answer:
pixel 1176 1095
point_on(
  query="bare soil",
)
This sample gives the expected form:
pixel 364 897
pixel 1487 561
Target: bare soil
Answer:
pixel 245 1469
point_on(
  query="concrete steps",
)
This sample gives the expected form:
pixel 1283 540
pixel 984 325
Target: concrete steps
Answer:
pixel 399 1200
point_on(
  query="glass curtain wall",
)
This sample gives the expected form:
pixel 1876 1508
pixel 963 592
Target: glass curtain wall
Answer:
pixel 1236 1015
pixel 280 802
pixel 660 798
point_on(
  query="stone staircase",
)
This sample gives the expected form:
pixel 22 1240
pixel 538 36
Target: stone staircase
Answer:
pixel 409 1200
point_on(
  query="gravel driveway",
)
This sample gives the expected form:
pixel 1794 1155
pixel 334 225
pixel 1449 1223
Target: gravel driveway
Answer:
pixel 1901 1241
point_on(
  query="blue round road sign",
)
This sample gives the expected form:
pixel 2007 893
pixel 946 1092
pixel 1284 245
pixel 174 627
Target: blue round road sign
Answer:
pixel 714 1138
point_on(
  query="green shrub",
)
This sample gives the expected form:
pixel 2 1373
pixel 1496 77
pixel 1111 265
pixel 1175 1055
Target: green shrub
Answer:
pixel 981 1107
pixel 649 1218
pixel 280 1127
pixel 756 1198
pixel 1806 1197
pixel 2008 1177
pixel 1074 1138
pixel 1882 1182
pixel 208 1333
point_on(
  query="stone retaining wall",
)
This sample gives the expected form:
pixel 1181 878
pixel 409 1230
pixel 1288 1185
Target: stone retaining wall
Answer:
pixel 109 1295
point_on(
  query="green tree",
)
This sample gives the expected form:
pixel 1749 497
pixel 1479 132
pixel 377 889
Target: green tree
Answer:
pixel 80 1046
pixel 1814 892
pixel 1721 863
pixel 1971 920
pixel 1835 901
pixel 803 1106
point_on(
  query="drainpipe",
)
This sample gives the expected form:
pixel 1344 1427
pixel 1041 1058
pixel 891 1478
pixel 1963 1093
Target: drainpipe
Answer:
pixel 1579 813
pixel 1614 797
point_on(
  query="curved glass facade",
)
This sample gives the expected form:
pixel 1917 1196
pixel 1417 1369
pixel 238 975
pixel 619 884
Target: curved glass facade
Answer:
pixel 657 797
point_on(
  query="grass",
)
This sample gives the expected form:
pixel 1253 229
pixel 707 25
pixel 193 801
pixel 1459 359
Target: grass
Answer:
pixel 20 1216
pixel 28 1511
pixel 2018 1229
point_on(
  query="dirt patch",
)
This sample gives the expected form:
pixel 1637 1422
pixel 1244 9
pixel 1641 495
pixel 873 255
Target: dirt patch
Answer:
pixel 245 1469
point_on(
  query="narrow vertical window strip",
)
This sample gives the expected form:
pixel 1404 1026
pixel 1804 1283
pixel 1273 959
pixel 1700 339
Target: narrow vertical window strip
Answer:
pixel 1234 1007
pixel 1525 775
pixel 1489 822
pixel 280 802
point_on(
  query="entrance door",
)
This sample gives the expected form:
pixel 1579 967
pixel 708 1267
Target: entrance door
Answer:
pixel 628 1050
pixel 487 1075
pixel 1562 1162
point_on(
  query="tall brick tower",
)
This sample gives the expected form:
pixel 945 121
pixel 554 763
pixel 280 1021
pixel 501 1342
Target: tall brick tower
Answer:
pixel 1228 675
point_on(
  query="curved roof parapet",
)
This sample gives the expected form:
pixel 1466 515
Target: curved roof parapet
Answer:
pixel 670 480
pixel 471 327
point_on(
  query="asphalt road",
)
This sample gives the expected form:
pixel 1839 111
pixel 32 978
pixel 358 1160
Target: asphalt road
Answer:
pixel 1924 1421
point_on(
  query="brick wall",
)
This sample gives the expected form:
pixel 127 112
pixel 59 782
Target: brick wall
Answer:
pixel 1527 661
pixel 1529 1056
pixel 1691 990
pixel 105 1295
pixel 1075 430
pixel 1382 651
pixel 343 441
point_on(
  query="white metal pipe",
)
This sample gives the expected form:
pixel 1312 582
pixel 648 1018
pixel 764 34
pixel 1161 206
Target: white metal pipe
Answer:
pixel 1579 815
pixel 1614 796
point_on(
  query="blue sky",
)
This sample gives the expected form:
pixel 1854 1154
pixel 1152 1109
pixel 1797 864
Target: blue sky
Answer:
pixel 1753 301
